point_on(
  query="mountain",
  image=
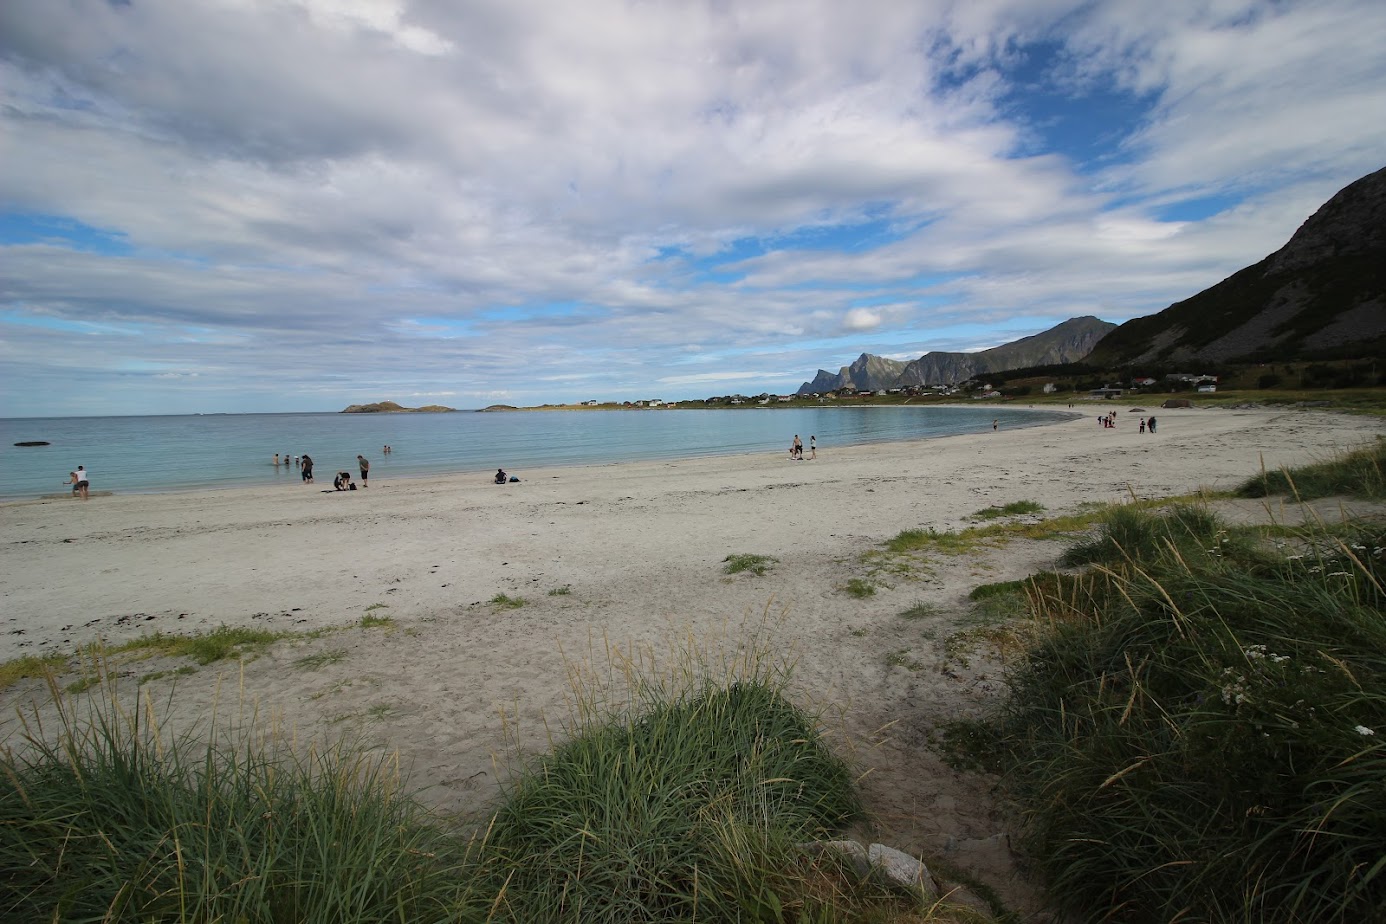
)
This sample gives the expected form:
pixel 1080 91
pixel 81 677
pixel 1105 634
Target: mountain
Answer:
pixel 869 373
pixel 1322 294
pixel 1065 343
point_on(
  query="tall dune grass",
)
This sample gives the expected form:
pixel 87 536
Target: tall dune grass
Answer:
pixel 111 819
pixel 1201 736
pixel 679 793
pixel 1357 473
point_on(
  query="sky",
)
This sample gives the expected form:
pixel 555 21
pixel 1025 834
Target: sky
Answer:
pixel 295 205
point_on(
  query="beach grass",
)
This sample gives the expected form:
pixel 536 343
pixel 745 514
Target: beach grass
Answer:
pixel 1199 730
pixel 747 561
pixel 203 648
pixel 369 621
pixel 681 787
pixel 505 601
pixel 110 818
pixel 1359 472
pixel 30 667
pixel 1015 508
pixel 859 588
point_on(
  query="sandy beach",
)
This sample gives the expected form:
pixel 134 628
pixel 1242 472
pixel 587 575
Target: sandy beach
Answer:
pixel 629 554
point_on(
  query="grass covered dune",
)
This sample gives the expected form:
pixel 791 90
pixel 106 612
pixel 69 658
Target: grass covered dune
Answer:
pixel 1182 698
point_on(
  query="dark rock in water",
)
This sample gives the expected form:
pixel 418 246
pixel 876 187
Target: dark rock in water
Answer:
pixel 33 443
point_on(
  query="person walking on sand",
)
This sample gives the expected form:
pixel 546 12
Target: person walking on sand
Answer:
pixel 83 483
pixel 813 446
pixel 796 448
pixel 993 424
pixel 365 469
pixel 307 465
pixel 1150 425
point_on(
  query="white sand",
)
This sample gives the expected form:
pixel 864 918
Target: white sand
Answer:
pixel 640 547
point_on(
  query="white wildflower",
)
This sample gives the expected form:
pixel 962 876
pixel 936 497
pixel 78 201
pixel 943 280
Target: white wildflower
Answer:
pixel 1364 730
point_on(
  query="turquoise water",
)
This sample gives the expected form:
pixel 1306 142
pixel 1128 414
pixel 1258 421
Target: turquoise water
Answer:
pixel 179 453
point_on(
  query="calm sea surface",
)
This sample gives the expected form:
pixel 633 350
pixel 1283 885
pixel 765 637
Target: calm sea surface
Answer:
pixel 180 453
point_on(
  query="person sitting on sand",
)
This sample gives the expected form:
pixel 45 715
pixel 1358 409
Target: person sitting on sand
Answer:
pixel 340 481
pixel 501 477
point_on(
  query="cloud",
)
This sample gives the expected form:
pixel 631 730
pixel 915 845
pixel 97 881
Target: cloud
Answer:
pixel 306 201
pixel 861 319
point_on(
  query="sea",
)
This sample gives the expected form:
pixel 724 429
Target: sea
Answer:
pixel 175 453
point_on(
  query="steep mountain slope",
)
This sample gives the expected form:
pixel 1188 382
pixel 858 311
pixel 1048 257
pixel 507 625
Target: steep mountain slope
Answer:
pixel 1064 343
pixel 1323 292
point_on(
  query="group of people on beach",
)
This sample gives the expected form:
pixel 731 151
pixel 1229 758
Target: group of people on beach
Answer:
pixel 796 448
pixel 1109 420
pixel 341 481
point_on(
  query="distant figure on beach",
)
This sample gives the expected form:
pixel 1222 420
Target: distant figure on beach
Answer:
pixel 813 446
pixel 1151 424
pixel 365 469
pixel 83 482
pixel 276 460
pixel 500 476
pixel 340 481
pixel 307 467
pixel 72 480
pixel 796 448
pixel 993 424
pixel 1142 425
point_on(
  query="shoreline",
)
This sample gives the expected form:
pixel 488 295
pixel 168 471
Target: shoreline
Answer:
pixel 203 488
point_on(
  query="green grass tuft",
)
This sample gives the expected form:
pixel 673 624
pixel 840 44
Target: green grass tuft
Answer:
pixel 507 602
pixel 756 564
pixel 30 667
pixel 859 588
pixel 1015 508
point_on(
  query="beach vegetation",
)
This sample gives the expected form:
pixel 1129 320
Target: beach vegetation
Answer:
pixel 113 819
pixel 377 606
pixel 684 787
pixel 901 658
pixel 1015 508
pixel 322 659
pixel 31 667
pixel 920 610
pixel 1359 472
pixel 859 588
pixel 755 564
pixel 203 648
pixel 369 621
pixel 160 675
pixel 563 591
pixel 1196 727
pixel 505 601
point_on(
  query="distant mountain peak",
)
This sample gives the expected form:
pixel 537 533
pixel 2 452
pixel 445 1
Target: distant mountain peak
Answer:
pixel 1067 342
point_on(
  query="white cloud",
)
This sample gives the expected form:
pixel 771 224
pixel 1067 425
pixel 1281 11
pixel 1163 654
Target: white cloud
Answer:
pixel 438 197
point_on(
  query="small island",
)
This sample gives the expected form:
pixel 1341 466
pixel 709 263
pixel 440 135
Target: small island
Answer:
pixel 390 407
